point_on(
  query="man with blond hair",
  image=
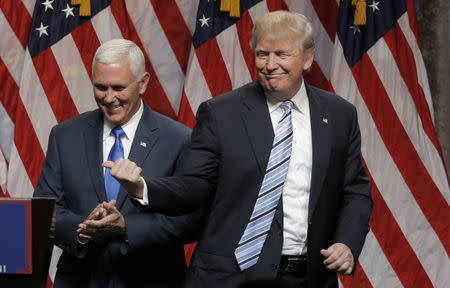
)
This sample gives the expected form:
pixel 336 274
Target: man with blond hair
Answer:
pixel 278 163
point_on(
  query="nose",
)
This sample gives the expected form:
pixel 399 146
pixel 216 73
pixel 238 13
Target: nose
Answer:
pixel 271 63
pixel 110 96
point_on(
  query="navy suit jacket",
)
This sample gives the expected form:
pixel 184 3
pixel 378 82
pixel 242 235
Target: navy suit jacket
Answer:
pixel 72 173
pixel 224 166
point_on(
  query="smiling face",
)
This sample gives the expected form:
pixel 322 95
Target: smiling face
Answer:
pixel 116 90
pixel 280 63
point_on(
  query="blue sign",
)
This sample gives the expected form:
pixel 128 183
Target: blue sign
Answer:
pixel 15 236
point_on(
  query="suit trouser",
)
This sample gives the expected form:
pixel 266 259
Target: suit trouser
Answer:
pixel 289 280
pixel 285 279
pixel 292 272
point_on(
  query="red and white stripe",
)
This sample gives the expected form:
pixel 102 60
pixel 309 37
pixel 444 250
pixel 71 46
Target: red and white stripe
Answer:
pixel 409 241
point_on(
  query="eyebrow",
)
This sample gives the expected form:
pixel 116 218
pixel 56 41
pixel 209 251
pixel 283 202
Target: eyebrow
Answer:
pixel 114 86
pixel 257 50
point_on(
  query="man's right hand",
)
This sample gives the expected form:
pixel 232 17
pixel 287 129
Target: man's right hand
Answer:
pixel 98 213
pixel 105 227
pixel 129 176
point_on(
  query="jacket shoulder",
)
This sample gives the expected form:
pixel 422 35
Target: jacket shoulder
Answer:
pixel 169 125
pixel 329 98
pixel 237 94
pixel 79 121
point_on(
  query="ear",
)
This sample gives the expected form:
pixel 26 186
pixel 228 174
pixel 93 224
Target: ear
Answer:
pixel 308 60
pixel 143 83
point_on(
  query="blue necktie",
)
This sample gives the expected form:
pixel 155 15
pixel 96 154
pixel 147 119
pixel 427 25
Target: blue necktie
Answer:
pixel 252 241
pixel 111 185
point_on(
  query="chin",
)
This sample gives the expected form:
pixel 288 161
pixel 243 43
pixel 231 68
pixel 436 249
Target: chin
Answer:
pixel 270 88
pixel 115 120
pixel 279 95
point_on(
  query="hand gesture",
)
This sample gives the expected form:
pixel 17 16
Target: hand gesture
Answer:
pixel 128 174
pixel 338 257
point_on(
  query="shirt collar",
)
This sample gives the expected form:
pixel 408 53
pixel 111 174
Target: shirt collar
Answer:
pixel 300 100
pixel 129 128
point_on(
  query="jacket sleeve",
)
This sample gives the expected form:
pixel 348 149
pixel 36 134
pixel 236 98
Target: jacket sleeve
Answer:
pixel 356 205
pixel 149 229
pixel 195 176
pixel 162 230
pixel 51 185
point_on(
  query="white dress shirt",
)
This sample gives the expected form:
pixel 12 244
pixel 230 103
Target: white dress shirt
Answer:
pixel 297 185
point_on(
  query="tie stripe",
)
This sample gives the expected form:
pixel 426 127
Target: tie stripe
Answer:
pixel 255 234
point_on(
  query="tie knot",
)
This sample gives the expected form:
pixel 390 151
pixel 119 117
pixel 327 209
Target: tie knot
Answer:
pixel 287 105
pixel 118 132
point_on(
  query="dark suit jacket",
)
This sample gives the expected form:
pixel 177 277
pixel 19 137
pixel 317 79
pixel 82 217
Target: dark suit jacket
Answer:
pixel 225 165
pixel 72 172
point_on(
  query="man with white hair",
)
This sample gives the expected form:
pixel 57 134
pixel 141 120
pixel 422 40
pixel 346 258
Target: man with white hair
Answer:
pixel 104 237
pixel 278 162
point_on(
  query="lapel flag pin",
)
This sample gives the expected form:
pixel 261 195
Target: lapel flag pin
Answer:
pixel 325 120
pixel 143 144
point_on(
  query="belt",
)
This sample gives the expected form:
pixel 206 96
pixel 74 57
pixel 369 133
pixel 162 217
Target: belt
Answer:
pixel 293 264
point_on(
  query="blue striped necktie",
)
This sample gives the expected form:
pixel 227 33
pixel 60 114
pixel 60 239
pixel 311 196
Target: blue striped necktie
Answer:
pixel 252 241
pixel 112 186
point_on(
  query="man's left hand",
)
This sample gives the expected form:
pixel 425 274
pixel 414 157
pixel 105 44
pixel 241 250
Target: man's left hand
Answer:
pixel 338 257
pixel 111 224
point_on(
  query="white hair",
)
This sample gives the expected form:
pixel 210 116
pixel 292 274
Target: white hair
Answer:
pixel 114 50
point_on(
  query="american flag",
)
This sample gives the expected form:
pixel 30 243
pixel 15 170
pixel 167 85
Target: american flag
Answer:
pixel 196 50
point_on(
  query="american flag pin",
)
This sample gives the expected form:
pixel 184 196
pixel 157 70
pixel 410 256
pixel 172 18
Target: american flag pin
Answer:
pixel 325 120
pixel 143 144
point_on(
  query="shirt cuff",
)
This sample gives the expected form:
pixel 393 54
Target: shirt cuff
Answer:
pixel 144 201
pixel 82 241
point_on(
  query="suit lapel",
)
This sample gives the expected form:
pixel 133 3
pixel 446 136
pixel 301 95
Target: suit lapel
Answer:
pixel 321 145
pixel 93 141
pixel 258 124
pixel 147 134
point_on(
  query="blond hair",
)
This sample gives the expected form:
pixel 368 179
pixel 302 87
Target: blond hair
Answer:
pixel 280 24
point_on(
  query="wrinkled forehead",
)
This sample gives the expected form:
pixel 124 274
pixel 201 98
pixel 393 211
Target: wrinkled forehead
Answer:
pixel 112 73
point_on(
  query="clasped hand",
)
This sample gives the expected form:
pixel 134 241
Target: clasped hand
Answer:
pixel 104 222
